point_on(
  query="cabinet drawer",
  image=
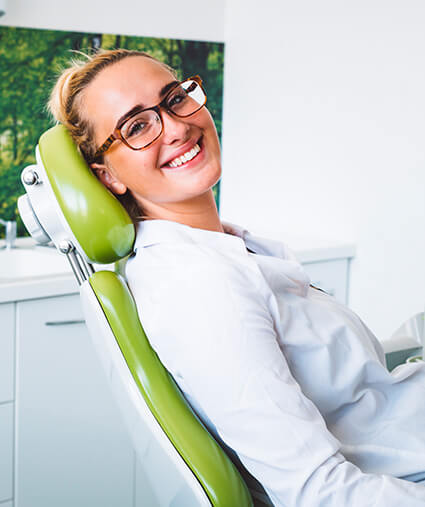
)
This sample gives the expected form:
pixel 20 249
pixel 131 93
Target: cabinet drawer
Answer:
pixel 7 338
pixel 331 276
pixel 6 452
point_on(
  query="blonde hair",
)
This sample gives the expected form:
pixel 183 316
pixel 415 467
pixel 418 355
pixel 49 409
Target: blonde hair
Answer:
pixel 65 105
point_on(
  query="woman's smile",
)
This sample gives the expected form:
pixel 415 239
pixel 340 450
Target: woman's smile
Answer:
pixel 189 156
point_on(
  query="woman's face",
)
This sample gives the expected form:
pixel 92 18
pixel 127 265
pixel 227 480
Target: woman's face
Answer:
pixel 146 173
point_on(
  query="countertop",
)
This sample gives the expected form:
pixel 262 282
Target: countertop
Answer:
pixel 34 287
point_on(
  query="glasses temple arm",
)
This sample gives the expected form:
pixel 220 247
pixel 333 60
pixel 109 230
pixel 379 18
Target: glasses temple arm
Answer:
pixel 104 146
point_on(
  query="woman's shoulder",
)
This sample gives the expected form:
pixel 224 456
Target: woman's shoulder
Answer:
pixel 192 260
pixel 191 271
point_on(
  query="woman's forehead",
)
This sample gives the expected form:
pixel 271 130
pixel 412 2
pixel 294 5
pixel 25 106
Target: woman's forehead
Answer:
pixel 133 75
pixel 121 86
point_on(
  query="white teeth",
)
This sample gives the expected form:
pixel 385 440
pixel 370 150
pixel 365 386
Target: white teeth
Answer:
pixel 186 157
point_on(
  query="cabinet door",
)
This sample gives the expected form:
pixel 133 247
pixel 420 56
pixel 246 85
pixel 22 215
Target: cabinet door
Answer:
pixel 6 452
pixel 72 448
pixel 7 336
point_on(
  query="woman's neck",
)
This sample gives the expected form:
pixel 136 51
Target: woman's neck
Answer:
pixel 200 212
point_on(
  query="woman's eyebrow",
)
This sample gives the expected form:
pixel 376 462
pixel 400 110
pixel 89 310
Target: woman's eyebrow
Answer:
pixel 127 115
pixel 164 90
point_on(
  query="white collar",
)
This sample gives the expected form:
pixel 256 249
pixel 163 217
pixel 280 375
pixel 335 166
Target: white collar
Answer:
pixel 235 238
pixel 150 232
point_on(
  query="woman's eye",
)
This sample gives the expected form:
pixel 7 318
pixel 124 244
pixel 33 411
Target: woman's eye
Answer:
pixel 177 99
pixel 136 128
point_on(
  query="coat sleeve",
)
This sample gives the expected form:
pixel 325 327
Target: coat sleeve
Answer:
pixel 216 334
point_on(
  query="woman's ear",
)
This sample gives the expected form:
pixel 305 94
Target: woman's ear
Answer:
pixel 110 181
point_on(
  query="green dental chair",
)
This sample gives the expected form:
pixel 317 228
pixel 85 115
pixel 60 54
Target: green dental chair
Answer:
pixel 66 204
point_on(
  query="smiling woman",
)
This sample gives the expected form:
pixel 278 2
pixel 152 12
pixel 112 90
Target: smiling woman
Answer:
pixel 282 374
pixel 163 155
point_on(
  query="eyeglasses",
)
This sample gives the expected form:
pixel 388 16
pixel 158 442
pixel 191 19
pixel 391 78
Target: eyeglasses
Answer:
pixel 144 126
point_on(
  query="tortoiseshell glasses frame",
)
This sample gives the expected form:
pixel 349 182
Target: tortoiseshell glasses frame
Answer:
pixel 189 86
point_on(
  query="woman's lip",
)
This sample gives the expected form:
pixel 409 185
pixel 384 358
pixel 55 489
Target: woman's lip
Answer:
pixel 192 162
pixel 184 149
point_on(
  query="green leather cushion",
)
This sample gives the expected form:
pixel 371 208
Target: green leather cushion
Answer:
pixel 97 219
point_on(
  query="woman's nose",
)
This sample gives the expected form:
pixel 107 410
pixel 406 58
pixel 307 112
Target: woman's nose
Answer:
pixel 174 129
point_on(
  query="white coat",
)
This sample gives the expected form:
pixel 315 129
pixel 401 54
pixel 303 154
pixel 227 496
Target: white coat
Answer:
pixel 286 376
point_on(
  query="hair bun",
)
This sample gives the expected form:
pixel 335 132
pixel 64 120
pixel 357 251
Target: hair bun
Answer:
pixel 60 96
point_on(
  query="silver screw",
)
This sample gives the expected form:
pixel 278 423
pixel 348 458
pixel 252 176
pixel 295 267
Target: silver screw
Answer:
pixel 30 177
pixel 65 246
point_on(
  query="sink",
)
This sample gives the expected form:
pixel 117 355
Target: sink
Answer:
pixel 37 261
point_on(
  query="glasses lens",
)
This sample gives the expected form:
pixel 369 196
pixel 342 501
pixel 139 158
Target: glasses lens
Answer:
pixel 186 99
pixel 141 129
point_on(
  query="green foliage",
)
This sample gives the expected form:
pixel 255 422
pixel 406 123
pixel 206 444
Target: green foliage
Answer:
pixel 29 63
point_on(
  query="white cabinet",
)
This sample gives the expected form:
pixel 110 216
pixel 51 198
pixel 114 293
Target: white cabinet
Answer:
pixel 6 451
pixel 7 320
pixel 7 333
pixel 72 448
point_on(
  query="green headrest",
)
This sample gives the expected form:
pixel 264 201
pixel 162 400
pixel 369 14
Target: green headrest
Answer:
pixel 97 219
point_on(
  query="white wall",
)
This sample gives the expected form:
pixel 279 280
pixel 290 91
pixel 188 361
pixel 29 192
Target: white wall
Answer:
pixel 196 20
pixel 324 132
